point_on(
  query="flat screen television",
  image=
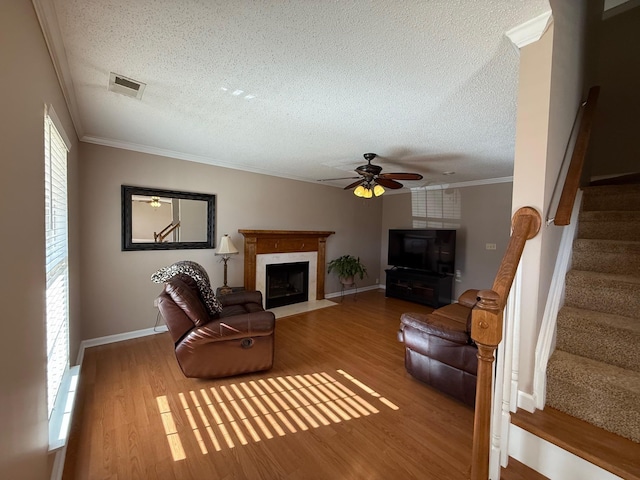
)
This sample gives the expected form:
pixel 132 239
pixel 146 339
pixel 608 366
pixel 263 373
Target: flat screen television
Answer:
pixel 430 250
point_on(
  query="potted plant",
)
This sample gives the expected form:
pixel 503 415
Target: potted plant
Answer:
pixel 347 267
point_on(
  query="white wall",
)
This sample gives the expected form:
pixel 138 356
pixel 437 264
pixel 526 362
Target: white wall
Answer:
pixel 116 290
pixel 485 218
pixel 28 82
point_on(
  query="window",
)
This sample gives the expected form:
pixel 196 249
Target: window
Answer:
pixel 436 208
pixel 57 265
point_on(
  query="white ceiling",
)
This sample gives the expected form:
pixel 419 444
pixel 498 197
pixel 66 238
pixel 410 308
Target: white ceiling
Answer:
pixel 430 86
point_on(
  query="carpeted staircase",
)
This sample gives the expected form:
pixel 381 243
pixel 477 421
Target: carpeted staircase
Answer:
pixel 594 373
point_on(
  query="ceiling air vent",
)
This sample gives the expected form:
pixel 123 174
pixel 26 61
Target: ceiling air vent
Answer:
pixel 126 86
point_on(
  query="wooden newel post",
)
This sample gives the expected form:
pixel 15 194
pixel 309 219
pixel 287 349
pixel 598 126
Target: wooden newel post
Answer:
pixel 486 330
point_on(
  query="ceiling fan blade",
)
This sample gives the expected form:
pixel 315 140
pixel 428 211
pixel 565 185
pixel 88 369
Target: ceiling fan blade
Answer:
pixel 388 183
pixel 401 176
pixel 332 179
pixel 354 184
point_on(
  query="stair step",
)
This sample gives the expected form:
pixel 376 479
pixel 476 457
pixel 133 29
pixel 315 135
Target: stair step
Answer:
pixel 611 197
pixel 610 452
pixel 604 337
pixel 607 256
pixel 603 395
pixel 610 225
pixel 603 292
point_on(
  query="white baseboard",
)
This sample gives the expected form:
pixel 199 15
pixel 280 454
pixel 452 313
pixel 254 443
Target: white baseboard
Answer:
pixel 526 401
pixel 58 464
pixel 550 460
pixel 119 337
pixel 349 291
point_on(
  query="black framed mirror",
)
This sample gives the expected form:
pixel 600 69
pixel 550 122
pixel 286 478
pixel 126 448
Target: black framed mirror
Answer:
pixel 155 219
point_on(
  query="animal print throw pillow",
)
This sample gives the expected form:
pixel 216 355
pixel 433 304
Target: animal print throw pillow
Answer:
pixel 199 275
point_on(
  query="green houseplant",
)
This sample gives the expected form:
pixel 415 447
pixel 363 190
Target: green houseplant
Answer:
pixel 347 267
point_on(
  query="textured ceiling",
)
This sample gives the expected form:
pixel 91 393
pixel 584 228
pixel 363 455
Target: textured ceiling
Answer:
pixel 430 86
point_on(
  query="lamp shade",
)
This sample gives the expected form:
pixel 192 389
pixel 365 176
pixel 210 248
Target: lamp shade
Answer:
pixel 226 246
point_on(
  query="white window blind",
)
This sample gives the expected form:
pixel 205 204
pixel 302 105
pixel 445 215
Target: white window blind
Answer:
pixel 57 268
pixel 441 208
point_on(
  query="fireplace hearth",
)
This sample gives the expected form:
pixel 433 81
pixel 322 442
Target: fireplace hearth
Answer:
pixel 286 284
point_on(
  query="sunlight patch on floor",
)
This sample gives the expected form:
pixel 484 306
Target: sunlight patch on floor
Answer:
pixel 262 409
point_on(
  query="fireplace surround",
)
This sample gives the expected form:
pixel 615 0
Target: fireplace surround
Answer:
pixel 283 246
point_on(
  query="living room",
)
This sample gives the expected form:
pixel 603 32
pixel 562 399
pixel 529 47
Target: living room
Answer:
pixel 110 290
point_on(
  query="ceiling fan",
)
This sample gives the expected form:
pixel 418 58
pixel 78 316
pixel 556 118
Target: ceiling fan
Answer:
pixel 371 182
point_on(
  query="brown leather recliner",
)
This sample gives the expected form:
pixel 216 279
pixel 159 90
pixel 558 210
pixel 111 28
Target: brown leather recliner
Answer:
pixel 439 350
pixel 239 339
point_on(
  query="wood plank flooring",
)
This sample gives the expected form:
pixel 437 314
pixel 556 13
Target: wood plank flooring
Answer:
pixel 338 404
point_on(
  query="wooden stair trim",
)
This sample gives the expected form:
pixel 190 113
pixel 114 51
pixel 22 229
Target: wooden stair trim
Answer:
pixel 608 451
pixel 574 174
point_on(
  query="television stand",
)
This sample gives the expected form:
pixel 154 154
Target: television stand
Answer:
pixel 419 286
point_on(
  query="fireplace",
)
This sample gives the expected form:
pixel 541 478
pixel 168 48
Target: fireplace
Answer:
pixel 286 284
pixel 266 247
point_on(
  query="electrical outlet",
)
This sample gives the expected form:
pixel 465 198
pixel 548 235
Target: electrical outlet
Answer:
pixel 377 281
pixel 490 246
pixel 155 303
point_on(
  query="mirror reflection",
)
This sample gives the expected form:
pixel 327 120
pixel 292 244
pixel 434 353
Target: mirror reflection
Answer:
pixel 160 219
pixel 164 219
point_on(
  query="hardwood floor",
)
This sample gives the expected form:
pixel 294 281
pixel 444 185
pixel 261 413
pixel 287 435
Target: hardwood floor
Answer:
pixel 338 404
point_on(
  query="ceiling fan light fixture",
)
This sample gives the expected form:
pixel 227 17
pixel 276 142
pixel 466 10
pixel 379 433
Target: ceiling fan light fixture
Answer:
pixel 368 193
pixel 378 190
pixel 155 202
pixel 359 191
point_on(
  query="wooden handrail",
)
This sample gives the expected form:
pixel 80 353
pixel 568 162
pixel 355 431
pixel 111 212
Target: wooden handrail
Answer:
pixel 486 331
pixel 165 232
pixel 574 174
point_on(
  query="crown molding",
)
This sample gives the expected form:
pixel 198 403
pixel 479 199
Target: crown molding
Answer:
pixel 163 152
pixel 471 183
pixel 530 31
pixel 48 19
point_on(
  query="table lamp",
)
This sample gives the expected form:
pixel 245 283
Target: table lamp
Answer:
pixel 226 249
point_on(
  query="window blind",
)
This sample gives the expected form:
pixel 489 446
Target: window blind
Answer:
pixel 57 266
pixel 436 208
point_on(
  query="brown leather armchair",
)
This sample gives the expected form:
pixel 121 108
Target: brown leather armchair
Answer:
pixel 439 350
pixel 238 339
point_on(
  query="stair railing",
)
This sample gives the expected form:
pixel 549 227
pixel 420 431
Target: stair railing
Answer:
pixel 573 179
pixel 165 232
pixel 487 316
pixel 486 331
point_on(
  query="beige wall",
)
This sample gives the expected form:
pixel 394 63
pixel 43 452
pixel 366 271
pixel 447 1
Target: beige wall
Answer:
pixel 28 82
pixel 614 146
pixel 116 290
pixel 553 75
pixel 486 218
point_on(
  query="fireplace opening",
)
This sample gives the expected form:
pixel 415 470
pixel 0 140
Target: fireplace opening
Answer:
pixel 287 283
